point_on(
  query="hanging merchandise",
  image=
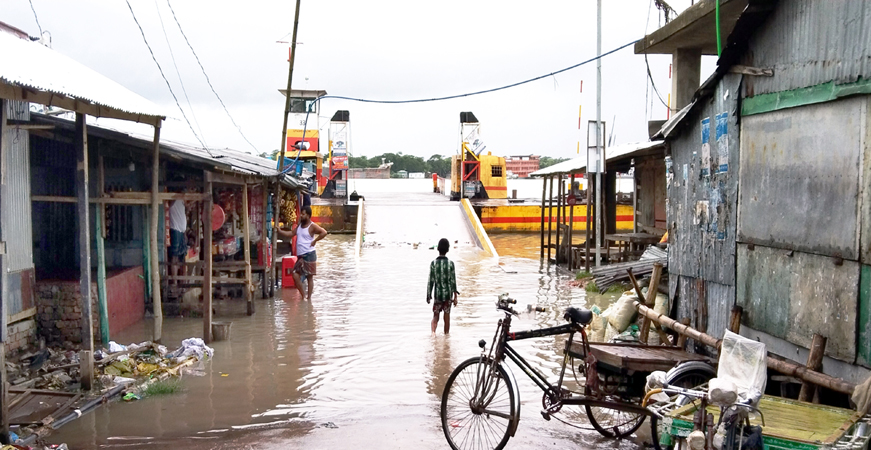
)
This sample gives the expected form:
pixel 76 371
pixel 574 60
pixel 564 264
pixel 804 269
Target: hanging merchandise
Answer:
pixel 288 207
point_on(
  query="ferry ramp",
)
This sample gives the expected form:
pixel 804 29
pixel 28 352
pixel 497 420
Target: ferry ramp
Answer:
pixel 409 218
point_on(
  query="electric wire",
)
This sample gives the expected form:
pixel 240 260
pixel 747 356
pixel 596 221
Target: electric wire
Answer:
pixel 649 75
pixel 36 17
pixel 449 97
pixel 141 31
pixel 177 72
pixel 238 128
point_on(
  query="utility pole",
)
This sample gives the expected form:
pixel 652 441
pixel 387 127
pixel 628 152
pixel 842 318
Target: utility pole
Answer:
pixel 601 151
pixel 287 99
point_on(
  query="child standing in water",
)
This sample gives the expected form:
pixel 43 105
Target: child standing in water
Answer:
pixel 442 286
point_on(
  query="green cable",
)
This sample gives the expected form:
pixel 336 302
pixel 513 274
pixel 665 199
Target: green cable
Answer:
pixel 717 19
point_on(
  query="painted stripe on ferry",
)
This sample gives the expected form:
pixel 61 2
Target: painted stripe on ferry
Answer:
pixel 537 219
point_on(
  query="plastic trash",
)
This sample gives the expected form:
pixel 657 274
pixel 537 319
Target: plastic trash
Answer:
pixel 742 361
pixel 122 380
pixel 114 347
pixel 656 380
pixel 696 440
pixel 192 347
pixel 12 436
pixel 129 397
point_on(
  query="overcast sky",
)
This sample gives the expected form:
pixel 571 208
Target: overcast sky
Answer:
pixel 378 49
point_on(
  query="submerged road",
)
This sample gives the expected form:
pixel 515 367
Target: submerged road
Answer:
pixel 356 367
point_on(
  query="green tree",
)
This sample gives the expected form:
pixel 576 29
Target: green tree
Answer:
pixel 547 161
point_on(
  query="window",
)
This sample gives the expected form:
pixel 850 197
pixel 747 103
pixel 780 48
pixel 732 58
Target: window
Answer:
pixel 496 171
pixel 301 105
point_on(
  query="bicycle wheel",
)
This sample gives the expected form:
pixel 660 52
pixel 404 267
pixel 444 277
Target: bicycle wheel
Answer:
pixel 688 376
pixel 613 422
pixel 469 426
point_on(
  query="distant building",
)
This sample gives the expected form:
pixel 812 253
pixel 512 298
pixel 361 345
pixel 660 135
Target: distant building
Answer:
pixel 402 174
pixel 522 165
pixel 416 175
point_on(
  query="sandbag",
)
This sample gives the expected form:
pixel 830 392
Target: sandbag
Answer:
pixel 596 328
pixel 610 332
pixel 622 311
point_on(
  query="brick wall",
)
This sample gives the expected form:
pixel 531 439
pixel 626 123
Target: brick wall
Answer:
pixel 20 335
pixel 59 311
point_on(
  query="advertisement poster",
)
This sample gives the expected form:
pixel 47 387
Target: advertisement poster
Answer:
pixel 706 146
pixel 340 162
pixel 723 141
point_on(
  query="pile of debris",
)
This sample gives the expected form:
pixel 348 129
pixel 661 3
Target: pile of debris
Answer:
pixel 45 368
pixel 605 276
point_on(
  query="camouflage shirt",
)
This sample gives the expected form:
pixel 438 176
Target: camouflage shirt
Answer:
pixel 442 280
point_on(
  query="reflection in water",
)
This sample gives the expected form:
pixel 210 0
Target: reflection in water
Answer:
pixel 359 356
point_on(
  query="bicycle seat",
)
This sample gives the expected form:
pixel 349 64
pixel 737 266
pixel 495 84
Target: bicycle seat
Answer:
pixel 581 316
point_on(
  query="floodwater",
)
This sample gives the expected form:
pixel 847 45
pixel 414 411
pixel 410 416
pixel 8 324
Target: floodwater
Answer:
pixel 357 366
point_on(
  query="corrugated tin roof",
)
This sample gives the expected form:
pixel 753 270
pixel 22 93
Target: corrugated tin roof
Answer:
pixel 32 66
pixel 225 160
pixel 577 165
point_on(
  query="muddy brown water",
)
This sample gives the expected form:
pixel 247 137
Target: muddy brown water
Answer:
pixel 357 366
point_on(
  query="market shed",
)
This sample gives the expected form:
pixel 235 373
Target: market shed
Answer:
pixel 33 73
pixel 768 194
pixel 648 197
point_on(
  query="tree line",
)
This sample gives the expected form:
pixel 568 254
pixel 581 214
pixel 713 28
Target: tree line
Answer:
pixel 434 164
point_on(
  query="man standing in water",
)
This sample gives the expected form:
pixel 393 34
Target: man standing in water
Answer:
pixel 307 235
pixel 442 286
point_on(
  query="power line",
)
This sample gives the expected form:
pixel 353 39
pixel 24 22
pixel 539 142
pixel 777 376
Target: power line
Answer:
pixel 449 97
pixel 238 128
pixel 36 17
pixel 167 81
pixel 649 75
pixel 177 72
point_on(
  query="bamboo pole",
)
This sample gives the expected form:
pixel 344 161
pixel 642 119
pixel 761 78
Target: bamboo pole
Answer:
pixel 587 236
pixel 814 362
pixel 246 246
pixel 572 223
pixel 650 300
pixel 543 197
pixel 783 366
pixel 559 208
pixel 276 215
pixel 155 215
pixel 289 83
pixel 207 258
pixel 264 242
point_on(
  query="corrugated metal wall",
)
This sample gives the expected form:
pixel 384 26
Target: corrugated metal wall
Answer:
pixel 17 225
pixel 810 42
pixel 702 210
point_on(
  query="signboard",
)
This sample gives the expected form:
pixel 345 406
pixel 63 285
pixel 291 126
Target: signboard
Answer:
pixel 571 200
pixel 341 188
pixel 595 153
pixel 340 162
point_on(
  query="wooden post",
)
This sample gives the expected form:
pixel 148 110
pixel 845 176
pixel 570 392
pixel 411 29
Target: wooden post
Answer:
pixel 4 284
pixel 102 302
pixel 264 242
pixel 814 362
pixel 572 222
pixel 559 208
pixel 735 319
pixel 655 276
pixel 82 207
pixel 155 215
pixel 543 197
pixel 246 246
pixel 207 258
pixel 549 217
pixel 276 216
pixel 587 237
pixel 682 339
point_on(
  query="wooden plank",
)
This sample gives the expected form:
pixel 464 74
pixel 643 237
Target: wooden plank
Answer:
pixel 80 105
pixel 571 263
pixel 246 247
pixel 543 197
pixel 153 257
pixel 207 258
pixel 223 178
pixel 549 217
pixel 84 228
pixel 22 315
pixel 276 216
pixel 4 285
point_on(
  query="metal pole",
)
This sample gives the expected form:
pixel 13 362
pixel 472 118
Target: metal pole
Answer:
pixel 599 132
pixel 287 99
pixel 549 216
pixel 543 196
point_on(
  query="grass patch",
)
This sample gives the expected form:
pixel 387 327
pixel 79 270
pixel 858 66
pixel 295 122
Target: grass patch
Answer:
pixel 163 387
pixel 616 288
pixel 591 287
pixel 582 275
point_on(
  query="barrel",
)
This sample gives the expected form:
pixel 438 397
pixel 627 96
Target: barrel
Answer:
pixel 221 331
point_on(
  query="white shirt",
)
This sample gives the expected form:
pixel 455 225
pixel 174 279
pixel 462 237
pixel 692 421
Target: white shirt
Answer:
pixel 177 219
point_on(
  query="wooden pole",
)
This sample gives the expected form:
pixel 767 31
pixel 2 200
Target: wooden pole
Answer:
pixel 735 319
pixel 559 208
pixel 543 197
pixel 549 217
pixel 814 362
pixel 155 215
pixel 264 242
pixel 587 237
pixel 81 143
pixel 102 301
pixel 682 338
pixel 207 258
pixel 246 246
pixel 655 276
pixel 783 366
pixel 276 216
pixel 4 284
pixel 571 223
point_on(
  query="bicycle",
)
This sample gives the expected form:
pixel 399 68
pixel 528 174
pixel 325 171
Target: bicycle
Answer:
pixel 480 405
